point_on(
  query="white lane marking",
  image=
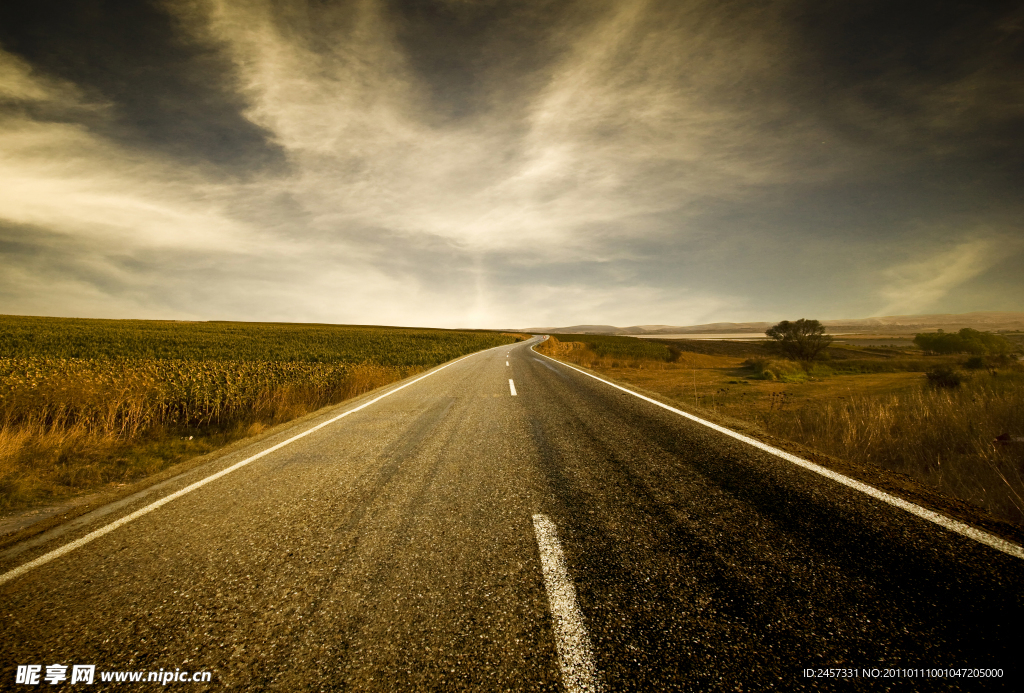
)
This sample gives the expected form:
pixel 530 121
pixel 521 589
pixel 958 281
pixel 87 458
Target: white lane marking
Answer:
pixel 949 523
pixel 506 363
pixel 575 657
pixel 78 543
pixel 512 387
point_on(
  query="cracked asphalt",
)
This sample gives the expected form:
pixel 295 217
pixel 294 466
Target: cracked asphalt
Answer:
pixel 394 550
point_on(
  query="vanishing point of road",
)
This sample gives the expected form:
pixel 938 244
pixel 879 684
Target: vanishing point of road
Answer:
pixel 509 523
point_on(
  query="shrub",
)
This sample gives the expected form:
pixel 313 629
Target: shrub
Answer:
pixel 760 366
pixel 818 370
pixel 944 376
pixel 775 369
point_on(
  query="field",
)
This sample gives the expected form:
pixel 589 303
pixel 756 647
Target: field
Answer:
pixel 869 406
pixel 87 403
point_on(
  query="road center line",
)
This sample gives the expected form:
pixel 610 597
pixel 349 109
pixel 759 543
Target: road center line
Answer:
pixel 949 523
pixel 78 543
pixel 512 387
pixel 575 657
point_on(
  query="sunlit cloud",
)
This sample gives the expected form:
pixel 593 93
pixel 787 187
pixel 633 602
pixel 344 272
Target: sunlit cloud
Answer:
pixel 919 285
pixel 58 175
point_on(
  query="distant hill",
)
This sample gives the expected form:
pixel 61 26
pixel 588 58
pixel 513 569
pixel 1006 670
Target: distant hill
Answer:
pixel 987 320
pixel 979 321
pixel 583 329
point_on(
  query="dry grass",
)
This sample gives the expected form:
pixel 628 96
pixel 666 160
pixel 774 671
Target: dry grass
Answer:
pixel 883 413
pixel 75 430
pixel 584 355
pixel 943 436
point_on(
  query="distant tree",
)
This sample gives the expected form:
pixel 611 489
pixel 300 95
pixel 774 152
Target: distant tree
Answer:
pixel 803 339
pixel 966 341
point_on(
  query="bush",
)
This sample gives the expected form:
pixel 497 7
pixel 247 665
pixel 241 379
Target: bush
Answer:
pixel 974 363
pixel 760 365
pixel 818 370
pixel 1003 360
pixel 774 369
pixel 944 376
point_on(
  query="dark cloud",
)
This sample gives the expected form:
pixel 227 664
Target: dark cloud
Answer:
pixel 473 57
pixel 931 77
pixel 166 91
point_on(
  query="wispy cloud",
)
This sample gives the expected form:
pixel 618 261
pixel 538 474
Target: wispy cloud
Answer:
pixel 920 284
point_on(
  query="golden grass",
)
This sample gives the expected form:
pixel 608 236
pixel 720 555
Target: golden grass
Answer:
pixel 582 354
pixel 943 436
pixel 76 430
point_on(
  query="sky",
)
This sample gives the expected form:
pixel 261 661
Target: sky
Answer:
pixel 511 163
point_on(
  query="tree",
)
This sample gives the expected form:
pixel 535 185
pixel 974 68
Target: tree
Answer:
pixel 966 341
pixel 803 339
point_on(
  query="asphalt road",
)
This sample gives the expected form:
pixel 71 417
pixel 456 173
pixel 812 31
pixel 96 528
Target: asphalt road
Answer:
pixel 397 549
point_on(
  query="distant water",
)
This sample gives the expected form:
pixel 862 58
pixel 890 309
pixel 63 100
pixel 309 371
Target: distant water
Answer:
pixel 738 336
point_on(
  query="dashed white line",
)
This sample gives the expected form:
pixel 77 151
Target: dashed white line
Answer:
pixel 575 656
pixel 949 523
pixel 68 548
pixel 506 363
pixel 512 387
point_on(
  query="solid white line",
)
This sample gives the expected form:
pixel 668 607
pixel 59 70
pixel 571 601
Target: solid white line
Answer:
pixel 949 523
pixel 67 548
pixel 575 657
pixel 512 387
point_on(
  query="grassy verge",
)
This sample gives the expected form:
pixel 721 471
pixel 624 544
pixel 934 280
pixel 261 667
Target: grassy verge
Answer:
pixel 870 407
pixel 91 403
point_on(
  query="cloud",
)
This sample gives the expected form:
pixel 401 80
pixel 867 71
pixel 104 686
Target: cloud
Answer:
pixel 920 284
pixel 613 139
pixel 465 164
pixel 160 90
pixel 904 86
pixel 556 305
pixel 17 83
pixel 56 175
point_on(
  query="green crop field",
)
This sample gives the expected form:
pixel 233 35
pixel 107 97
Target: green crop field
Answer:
pixel 236 341
pixel 87 402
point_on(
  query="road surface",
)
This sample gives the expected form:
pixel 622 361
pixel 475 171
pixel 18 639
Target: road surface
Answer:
pixel 418 544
